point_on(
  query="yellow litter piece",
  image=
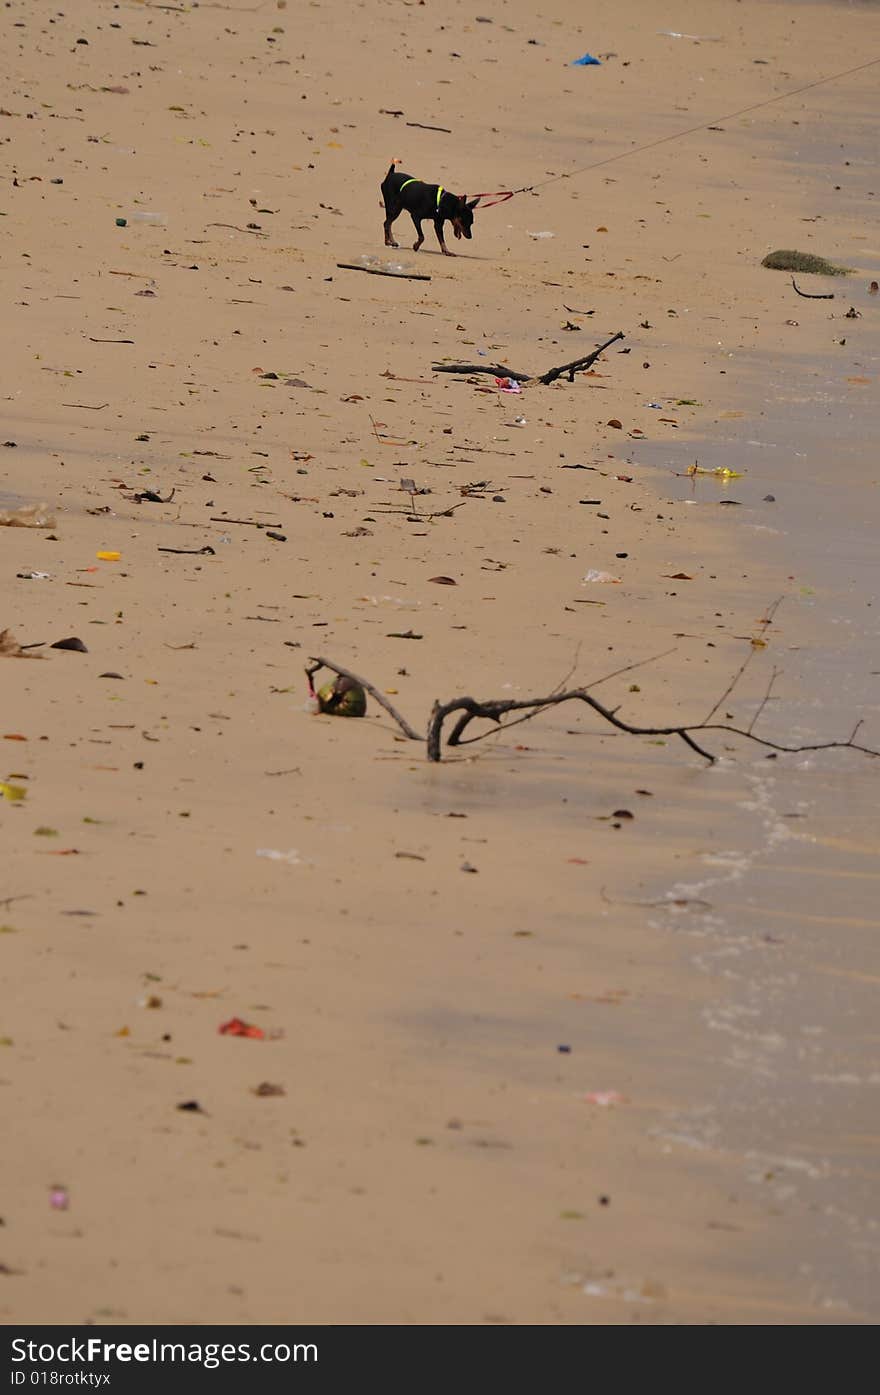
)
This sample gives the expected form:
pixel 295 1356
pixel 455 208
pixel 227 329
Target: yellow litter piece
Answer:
pixel 720 471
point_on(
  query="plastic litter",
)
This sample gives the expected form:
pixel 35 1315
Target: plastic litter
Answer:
pixel 721 472
pixel 235 1027
pixel 108 556
pixel 391 268
pixel 538 235
pixel 605 577
pixel 588 61
pixel 33 576
pixel 698 38
pixel 28 516
pixel 508 385
pixel 604 1098
pixel 59 1198
pixel 274 855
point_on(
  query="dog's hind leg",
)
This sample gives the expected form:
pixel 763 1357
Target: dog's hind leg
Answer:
pixel 390 215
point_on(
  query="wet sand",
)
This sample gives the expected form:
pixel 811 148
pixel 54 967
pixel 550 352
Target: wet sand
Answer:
pixel 434 1156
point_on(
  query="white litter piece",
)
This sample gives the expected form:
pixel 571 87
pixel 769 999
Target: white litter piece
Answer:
pixel 292 858
pixel 593 575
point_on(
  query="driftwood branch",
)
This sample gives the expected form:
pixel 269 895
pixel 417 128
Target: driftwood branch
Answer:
pixel 379 271
pixel 498 370
pixel 579 365
pixel 493 710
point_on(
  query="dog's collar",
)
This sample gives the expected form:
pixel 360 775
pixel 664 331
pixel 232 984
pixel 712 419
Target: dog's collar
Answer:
pixel 415 181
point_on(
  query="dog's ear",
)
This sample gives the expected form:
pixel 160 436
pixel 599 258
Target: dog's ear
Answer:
pixel 473 203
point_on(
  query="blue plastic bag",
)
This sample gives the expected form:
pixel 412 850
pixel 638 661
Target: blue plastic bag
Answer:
pixel 586 62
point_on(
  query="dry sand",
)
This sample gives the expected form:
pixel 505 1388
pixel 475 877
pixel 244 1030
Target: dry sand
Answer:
pixel 437 933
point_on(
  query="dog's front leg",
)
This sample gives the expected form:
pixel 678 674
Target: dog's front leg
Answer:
pixel 420 236
pixel 438 228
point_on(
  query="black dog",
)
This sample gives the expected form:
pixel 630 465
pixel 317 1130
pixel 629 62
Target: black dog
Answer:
pixel 402 192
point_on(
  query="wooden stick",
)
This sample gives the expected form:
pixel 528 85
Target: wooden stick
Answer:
pixel 378 271
pixel 579 365
pixel 498 370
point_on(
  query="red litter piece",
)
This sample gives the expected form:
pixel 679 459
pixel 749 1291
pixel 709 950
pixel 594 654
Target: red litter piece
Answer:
pixel 235 1027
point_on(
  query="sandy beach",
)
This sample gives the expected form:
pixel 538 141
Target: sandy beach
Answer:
pixel 570 1027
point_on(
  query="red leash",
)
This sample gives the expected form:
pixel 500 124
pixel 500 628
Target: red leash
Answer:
pixel 501 196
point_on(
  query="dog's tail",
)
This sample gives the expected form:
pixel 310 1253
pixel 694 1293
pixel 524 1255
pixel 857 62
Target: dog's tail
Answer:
pixel 396 161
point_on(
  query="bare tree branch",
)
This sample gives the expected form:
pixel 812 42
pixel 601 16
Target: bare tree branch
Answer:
pixel 493 710
pixel 767 620
pixel 765 699
pixel 469 741
pixel 498 370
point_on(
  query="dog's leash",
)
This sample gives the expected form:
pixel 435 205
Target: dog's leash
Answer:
pixel 506 194
pixel 500 196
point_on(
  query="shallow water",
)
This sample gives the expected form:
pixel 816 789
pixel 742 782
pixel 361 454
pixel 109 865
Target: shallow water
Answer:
pixel 791 933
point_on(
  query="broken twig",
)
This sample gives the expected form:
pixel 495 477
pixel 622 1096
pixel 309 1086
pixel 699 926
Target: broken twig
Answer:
pixel 498 370
pixel 378 271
